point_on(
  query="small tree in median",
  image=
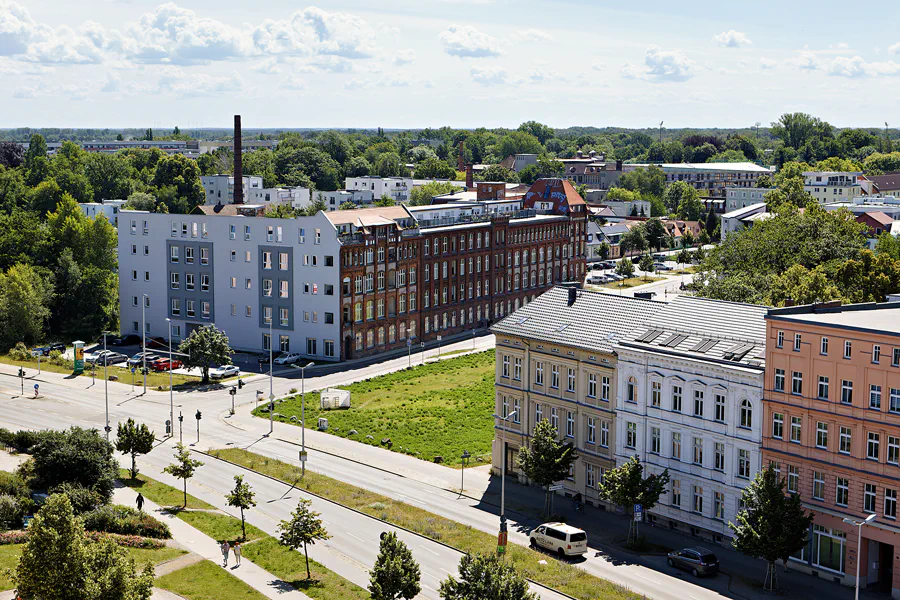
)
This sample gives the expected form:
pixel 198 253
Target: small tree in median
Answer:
pixel 547 460
pixel 626 486
pixel 625 268
pixel 241 497
pixel 184 466
pixel 134 439
pixel 646 264
pixel 395 574
pixel 771 525
pixel 206 346
pixel 485 576
pixel 305 527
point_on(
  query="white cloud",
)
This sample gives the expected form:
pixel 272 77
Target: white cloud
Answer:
pixel 488 75
pixel 113 83
pixel 661 66
pixel 534 35
pixel 767 63
pixel 597 66
pixel 293 82
pixel 331 64
pixel 267 67
pixel 732 39
pixel 857 67
pixel 175 81
pixel 315 31
pixel 468 42
pixel 404 57
pixel 394 81
pixel 16 28
pixel 805 60
pixel 839 46
pixel 40 89
pixel 356 84
pixel 21 36
pixel 894 49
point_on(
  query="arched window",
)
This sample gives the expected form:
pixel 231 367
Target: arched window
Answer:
pixel 370 338
pixel 402 330
pixel 392 334
pixel 631 392
pixel 357 312
pixel 381 336
pixel 359 345
pixel 746 414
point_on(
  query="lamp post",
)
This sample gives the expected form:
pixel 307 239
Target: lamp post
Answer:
pixel 409 351
pixel 271 376
pixel 180 427
pixel 171 398
pixel 303 418
pixel 144 298
pixel 439 347
pixel 198 416
pixel 462 472
pixel 501 542
pixel 859 526
pixel 106 384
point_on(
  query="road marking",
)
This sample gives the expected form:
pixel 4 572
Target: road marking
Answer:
pixel 429 550
pixel 648 579
pixel 433 577
pixel 355 537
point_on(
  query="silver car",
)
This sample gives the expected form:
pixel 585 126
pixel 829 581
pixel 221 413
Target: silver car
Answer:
pixel 699 561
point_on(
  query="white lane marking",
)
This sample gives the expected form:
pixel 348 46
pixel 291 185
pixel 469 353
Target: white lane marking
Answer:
pixel 647 578
pixel 429 550
pixel 355 537
pixel 433 577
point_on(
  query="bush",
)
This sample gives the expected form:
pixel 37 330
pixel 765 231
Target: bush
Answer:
pixel 12 484
pixel 56 358
pixel 20 352
pixel 81 498
pixel 23 441
pixel 125 520
pixel 19 536
pixel 78 456
pixel 11 511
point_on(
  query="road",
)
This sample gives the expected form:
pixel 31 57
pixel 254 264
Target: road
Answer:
pixel 74 401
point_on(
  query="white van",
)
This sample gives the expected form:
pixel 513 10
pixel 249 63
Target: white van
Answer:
pixel 560 538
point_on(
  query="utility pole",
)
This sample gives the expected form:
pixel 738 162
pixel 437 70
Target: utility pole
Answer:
pixel 303 418
pixel 462 472
pixel 660 132
pixel 180 427
pixel 198 416
pixel 106 384
pixel 171 392
pixel 144 299
pixel 271 376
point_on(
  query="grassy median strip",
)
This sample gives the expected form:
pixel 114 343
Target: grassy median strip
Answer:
pixel 207 581
pixel 437 409
pixel 555 574
pixel 161 493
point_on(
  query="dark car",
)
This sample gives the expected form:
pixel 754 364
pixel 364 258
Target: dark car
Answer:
pixel 125 340
pixel 159 343
pixel 46 350
pixel 699 561
pixel 113 358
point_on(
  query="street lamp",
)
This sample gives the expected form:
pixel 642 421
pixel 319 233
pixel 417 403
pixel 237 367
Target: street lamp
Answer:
pixel 462 473
pixel 303 417
pixel 171 399
pixel 502 538
pixel 144 298
pixel 859 526
pixel 271 375
pixel 106 384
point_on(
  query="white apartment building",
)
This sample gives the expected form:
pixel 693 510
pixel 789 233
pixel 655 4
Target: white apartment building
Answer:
pixel 334 200
pixel 744 217
pixel 689 399
pixel 711 179
pixel 833 186
pixel 736 198
pixel 397 188
pixel 237 270
pixel 297 197
pixel 109 208
pixel 220 188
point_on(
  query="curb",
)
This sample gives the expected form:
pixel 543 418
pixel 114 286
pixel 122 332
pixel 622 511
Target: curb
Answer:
pixel 359 512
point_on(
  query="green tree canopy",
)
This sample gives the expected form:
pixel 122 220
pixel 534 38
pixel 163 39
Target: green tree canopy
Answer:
pixel 304 528
pixel 422 194
pixel 205 346
pixel 626 486
pixel 241 497
pixel 395 574
pixel 183 468
pixel 547 460
pixel 485 577
pixel 134 439
pixel 25 296
pixel 76 456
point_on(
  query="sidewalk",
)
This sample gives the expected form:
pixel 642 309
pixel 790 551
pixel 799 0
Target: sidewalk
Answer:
pixel 198 542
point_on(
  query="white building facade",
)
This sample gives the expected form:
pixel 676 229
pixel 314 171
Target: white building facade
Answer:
pixel 220 188
pixel 108 208
pixel 689 399
pixel 833 186
pixel 736 198
pixel 397 188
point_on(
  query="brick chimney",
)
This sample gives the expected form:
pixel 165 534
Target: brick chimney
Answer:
pixel 460 161
pixel 470 177
pixel 238 197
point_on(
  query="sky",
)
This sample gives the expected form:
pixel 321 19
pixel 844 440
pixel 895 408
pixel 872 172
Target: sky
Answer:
pixel 462 63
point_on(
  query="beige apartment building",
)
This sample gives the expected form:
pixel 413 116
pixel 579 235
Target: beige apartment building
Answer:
pixel 555 361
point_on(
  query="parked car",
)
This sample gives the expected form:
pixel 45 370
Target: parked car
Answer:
pixel 224 371
pixel 699 561
pixel 661 267
pixel 125 340
pixel 95 357
pixel 560 538
pixel 160 343
pixel 46 350
pixel 138 359
pixel 112 358
pixel 287 358
pixel 162 364
pixel 595 279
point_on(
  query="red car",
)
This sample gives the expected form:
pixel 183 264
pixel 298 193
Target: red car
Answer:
pixel 162 364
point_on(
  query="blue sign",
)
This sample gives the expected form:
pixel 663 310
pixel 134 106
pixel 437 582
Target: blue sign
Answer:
pixel 133 369
pixel 638 512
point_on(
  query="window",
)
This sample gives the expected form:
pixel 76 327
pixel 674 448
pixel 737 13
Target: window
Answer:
pixel 631 435
pixel 719 462
pixel 267 260
pixel 873 445
pixel 204 282
pixel 189 306
pixel 698 403
pixel 797 383
pixel 539 373
pixel 847 348
pixel 698 499
pixel 604 434
pixel 875 397
pixel 698 451
pixel 517 369
pixel 796 342
pixel 895 358
pixel 311 346
pixel 720 408
pixel 869 498
pixel 823 388
pixel 631 390
pixel 842 491
pixel 654 440
pixel 283 261
pixel 570 380
pixel 538 412
pixel 655 393
pixel 795 429
pixel 890 503
pixel 676 493
pixel 604 388
pixel 793 479
pixel 676 398
pixel 505 371
pixel 554 418
pixel 592 385
pixel 893 450
pixel 846 391
pixel 746 414
pixel 719 506
pixel 823 346
pixel 778 425
pixel 592 430
pixel 780 340
pixel 176 307
pixel 744 464
pixel 554 377
pixel 282 288
pixel 821 435
pixel 173 256
pixel 818 491
pixel 676 446
pixel 570 424
pixel 204 256
pixel 779 380
pixel 175 281
pixel 876 353
pixel 895 400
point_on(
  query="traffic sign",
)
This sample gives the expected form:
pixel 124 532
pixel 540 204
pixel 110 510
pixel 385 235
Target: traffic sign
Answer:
pixel 303 456
pixel 638 512
pixel 409 342
pixel 556 488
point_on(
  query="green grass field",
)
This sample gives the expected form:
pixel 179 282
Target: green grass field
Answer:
pixel 162 494
pixel 629 283
pixel 436 409
pixel 207 581
pixel 219 526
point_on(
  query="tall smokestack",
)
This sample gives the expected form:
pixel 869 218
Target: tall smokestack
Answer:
pixel 238 163
pixel 470 178
pixel 460 164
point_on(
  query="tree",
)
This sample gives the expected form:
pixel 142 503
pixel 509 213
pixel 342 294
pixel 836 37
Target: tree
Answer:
pixel 771 525
pixel 685 257
pixel 13 193
pixel 655 232
pixel 37 149
pixel 791 191
pixel 11 154
pixel 546 166
pixel 681 197
pixel 141 201
pixel 712 222
pixel 59 562
pixel 633 240
pixel 385 200
pixel 205 346
pixel 434 168
pixel 547 460
pixel 485 576
pixel 358 166
pixel 648 181
pixel 421 195
pixel 626 486
pixel 389 164
pixel 46 195
pixel 625 268
pixel 764 181
pixel 260 163
pixel 183 174
pixel 802 286
pixel 499 173
pixel 687 238
pixel 646 264
pixel 241 497
pixel 602 250
pixel 796 129
pixel 24 305
pixel 539 130
pixel 395 574
pixel 134 439
pixel 517 142
pixel 183 468
pixel 305 527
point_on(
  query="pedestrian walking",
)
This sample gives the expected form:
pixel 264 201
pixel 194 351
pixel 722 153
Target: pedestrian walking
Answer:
pixel 140 502
pixel 237 553
pixel 225 549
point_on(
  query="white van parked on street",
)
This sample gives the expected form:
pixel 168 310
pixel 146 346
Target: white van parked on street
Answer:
pixel 560 538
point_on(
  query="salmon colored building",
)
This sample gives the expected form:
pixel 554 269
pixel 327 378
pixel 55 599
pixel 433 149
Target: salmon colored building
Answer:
pixel 832 428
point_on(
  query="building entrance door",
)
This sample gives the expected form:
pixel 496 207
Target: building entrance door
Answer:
pixel 885 567
pixel 510 460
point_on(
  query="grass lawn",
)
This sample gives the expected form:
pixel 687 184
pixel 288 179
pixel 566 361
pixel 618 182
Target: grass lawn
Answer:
pixel 9 558
pixel 684 271
pixel 436 409
pixel 630 282
pixel 559 575
pixel 218 526
pixel 207 581
pixel 154 555
pixel 290 566
pixel 162 494
pixel 154 380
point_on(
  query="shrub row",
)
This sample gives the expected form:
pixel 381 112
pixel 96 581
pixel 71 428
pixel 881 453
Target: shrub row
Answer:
pixel 125 520
pixel 19 536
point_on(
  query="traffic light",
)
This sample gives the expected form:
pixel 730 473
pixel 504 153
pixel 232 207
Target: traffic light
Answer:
pixel 240 384
pixel 198 415
pixel 232 391
pixel 21 372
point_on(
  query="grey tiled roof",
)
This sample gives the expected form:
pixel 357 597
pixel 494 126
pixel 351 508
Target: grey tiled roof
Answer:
pixel 707 329
pixel 595 321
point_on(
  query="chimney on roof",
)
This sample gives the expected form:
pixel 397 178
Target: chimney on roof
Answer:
pixel 592 153
pixel 573 294
pixel 789 302
pixel 470 177
pixel 579 154
pixel 238 197
pixel 460 160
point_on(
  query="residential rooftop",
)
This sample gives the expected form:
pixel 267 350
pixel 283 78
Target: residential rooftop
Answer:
pixel 882 317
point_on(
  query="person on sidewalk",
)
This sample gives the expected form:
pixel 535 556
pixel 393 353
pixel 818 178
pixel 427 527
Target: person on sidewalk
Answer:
pixel 225 549
pixel 237 554
pixel 140 502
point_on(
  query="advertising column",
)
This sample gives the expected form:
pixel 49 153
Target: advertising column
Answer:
pixel 79 357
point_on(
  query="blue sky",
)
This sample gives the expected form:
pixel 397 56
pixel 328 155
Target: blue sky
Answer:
pixel 464 63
